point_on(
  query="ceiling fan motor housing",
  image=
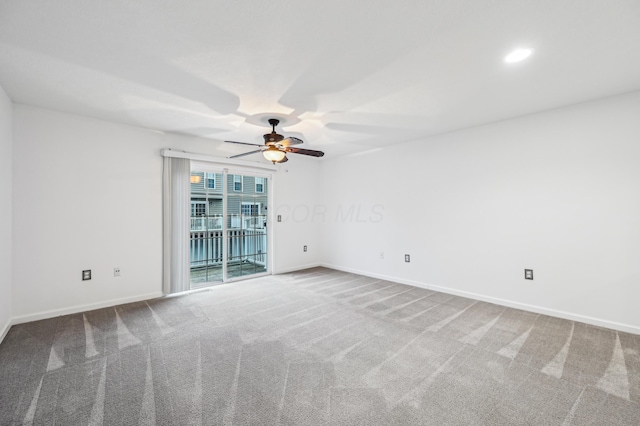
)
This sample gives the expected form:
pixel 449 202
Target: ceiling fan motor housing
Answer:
pixel 272 138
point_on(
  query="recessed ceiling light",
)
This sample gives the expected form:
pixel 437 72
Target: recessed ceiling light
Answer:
pixel 518 55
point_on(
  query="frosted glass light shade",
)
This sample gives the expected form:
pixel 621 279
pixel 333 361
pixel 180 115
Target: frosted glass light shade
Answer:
pixel 273 154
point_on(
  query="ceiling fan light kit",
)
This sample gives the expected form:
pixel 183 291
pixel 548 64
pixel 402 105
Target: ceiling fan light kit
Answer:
pixel 274 155
pixel 276 146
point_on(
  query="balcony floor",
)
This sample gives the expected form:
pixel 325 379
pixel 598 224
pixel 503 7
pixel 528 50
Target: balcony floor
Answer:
pixel 203 277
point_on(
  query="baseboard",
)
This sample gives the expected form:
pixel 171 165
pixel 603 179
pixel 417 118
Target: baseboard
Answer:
pixel 378 276
pixel 83 308
pixel 4 330
pixel 503 302
pixel 296 268
pixel 114 302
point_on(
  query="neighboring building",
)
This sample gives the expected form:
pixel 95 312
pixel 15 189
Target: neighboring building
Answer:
pixel 246 197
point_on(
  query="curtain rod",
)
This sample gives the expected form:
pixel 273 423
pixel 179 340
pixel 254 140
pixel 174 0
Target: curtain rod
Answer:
pixel 168 152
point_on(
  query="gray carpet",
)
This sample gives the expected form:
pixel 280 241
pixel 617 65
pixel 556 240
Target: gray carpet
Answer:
pixel 317 347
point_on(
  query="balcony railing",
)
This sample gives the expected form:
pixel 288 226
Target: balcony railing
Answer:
pixel 205 223
pixel 245 243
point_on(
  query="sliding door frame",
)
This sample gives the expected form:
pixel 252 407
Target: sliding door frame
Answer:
pixel 234 169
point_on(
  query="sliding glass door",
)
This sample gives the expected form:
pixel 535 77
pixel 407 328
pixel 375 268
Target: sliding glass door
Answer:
pixel 247 202
pixel 228 230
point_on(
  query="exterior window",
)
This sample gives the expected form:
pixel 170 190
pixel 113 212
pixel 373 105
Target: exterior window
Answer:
pixel 198 208
pixel 210 182
pixel 237 183
pixel 259 184
pixel 249 209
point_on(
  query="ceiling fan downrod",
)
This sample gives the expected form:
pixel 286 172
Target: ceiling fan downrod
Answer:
pixel 274 122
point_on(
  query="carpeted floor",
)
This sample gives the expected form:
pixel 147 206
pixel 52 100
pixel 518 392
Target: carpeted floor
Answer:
pixel 317 347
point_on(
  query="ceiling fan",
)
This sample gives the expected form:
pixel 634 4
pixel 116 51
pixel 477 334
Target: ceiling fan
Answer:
pixel 276 146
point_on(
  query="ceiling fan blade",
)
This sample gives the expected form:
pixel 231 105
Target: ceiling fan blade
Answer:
pixel 284 160
pixel 290 141
pixel 310 152
pixel 243 143
pixel 246 153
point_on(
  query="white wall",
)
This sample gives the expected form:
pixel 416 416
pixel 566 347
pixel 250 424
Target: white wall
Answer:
pixel 6 140
pixel 298 196
pixel 87 195
pixel 557 192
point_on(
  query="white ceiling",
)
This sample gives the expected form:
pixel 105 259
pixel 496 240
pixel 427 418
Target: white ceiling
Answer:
pixel 347 76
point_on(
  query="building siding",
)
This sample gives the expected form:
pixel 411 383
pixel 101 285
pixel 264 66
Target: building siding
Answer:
pixel 235 199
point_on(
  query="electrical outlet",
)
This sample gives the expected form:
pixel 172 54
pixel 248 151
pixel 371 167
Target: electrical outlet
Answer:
pixel 304 248
pixel 86 275
pixel 528 274
pixel 407 258
pixel 116 272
